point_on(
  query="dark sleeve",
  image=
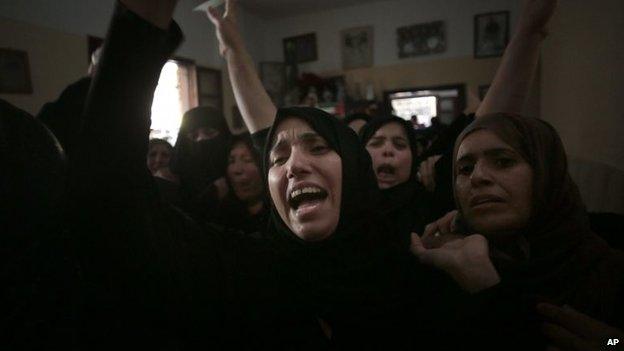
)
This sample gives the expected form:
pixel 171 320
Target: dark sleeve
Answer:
pixel 132 260
pixel 259 139
pixel 494 316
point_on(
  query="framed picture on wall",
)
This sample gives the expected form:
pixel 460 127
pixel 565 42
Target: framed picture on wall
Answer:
pixel 300 49
pixel 491 34
pixel 357 47
pixel 273 77
pixel 14 72
pixel 422 39
pixel 209 90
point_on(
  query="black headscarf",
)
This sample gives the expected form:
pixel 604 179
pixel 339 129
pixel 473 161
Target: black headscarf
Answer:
pixel 405 203
pixel 204 161
pixel 356 261
pixel 564 260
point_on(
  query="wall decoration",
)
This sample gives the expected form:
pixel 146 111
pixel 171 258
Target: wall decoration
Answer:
pixel 357 47
pixel 422 39
pixel 273 77
pixel 491 34
pixel 14 72
pixel 209 90
pixel 300 49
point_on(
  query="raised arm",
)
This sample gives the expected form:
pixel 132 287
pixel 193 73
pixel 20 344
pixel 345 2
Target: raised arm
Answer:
pixel 253 101
pixel 513 79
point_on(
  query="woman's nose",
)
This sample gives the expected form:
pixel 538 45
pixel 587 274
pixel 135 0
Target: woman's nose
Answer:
pixel 297 164
pixel 480 175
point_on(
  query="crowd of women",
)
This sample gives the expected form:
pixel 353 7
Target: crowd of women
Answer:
pixel 303 234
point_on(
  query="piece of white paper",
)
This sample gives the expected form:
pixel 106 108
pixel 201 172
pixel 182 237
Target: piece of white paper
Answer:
pixel 212 3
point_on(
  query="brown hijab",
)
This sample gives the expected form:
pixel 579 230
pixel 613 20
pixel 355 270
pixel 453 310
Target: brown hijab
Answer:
pixel 565 261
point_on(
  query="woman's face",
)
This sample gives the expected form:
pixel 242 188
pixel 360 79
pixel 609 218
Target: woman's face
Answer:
pixel 158 157
pixel 202 133
pixel 243 173
pixel 391 154
pixel 305 180
pixel 494 185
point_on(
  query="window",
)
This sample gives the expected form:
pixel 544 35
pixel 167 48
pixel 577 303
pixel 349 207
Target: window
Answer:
pixel 444 102
pixel 174 95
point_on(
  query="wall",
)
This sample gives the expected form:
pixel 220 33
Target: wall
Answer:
pixel 56 60
pixel 386 17
pixel 583 76
pixel 78 18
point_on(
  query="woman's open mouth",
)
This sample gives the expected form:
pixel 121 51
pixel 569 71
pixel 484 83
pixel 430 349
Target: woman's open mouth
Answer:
pixel 306 197
pixel 385 171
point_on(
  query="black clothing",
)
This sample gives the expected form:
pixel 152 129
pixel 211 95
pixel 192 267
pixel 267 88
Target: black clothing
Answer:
pixel 199 163
pixel 407 204
pixel 562 261
pixel 151 277
pixel 233 215
pixel 38 271
pixel 365 286
pixel 64 116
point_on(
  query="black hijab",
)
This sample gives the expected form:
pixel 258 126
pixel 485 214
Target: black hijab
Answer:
pixel 405 203
pixel 565 261
pixel 357 262
pixel 201 162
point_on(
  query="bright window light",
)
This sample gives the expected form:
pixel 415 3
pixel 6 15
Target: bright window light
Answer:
pixel 423 107
pixel 169 102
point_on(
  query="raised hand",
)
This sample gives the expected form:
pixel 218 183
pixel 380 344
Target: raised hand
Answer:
pixel 568 329
pixel 227 28
pixel 535 15
pixel 466 259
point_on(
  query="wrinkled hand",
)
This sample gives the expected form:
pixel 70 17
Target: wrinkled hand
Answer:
pixel 466 259
pixel 440 231
pixel 227 28
pixel 426 172
pixel 535 15
pixel 568 329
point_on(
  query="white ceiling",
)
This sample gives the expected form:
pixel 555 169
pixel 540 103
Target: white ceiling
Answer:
pixel 272 9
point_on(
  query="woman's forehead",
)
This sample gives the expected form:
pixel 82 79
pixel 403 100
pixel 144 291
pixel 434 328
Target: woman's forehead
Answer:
pixel 291 129
pixel 481 141
pixel 391 129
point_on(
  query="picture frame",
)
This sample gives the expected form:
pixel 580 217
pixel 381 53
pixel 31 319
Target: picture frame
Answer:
pixel 14 72
pixel 357 47
pixel 491 34
pixel 421 39
pixel 209 88
pixel 300 48
pixel 273 77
